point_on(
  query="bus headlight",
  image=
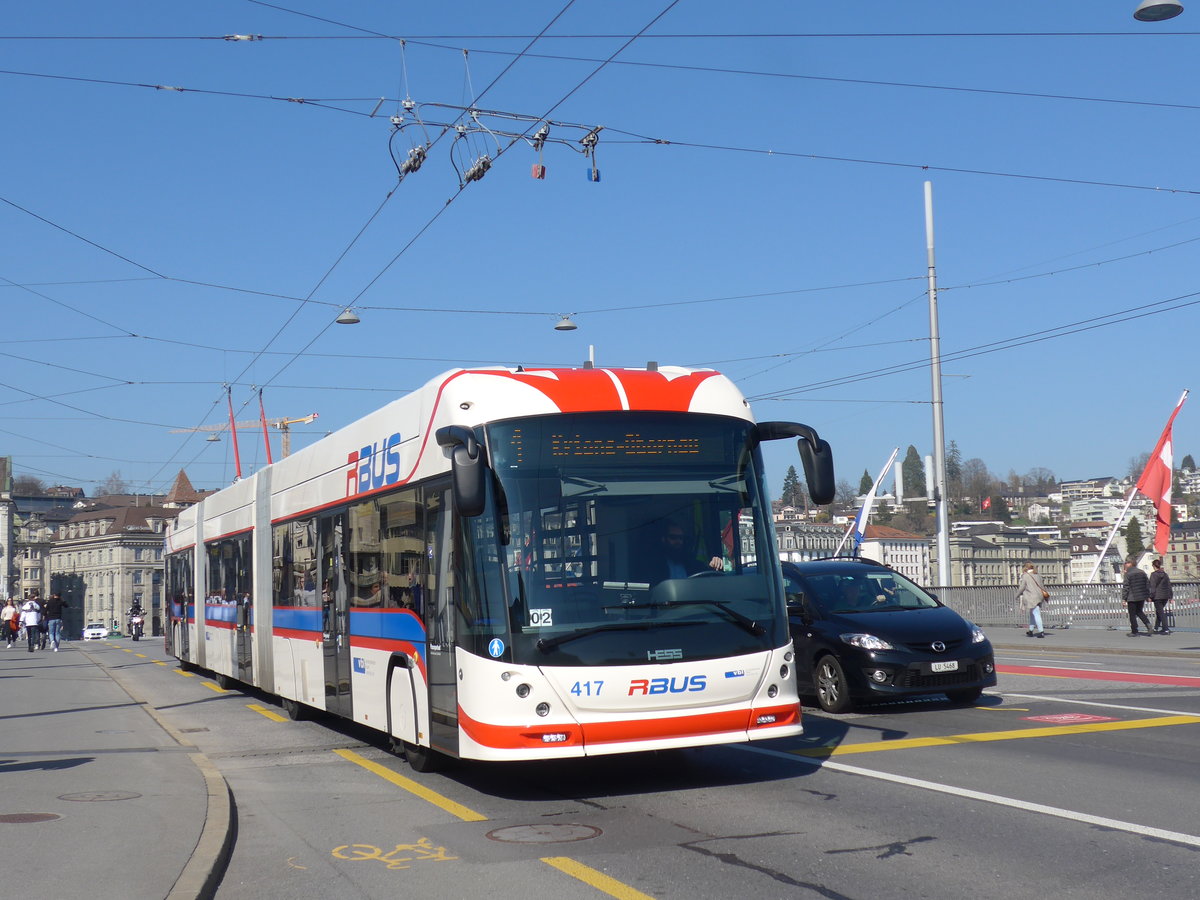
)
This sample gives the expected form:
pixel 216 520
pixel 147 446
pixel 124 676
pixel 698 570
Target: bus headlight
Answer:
pixel 542 709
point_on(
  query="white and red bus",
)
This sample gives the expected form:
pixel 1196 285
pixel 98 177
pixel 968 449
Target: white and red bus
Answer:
pixel 510 564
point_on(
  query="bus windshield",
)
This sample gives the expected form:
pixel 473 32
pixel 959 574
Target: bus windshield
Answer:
pixel 627 538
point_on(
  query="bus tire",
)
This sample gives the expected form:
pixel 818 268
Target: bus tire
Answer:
pixel 422 759
pixel 296 711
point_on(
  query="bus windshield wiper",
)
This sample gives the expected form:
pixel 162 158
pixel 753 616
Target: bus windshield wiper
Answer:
pixel 734 616
pixel 548 644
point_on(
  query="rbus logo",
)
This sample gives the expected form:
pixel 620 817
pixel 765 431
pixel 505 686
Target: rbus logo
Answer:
pixel 681 685
pixel 373 466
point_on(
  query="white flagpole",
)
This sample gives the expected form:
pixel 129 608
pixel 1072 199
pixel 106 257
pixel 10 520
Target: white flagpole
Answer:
pixel 865 512
pixel 1133 493
pixel 1112 534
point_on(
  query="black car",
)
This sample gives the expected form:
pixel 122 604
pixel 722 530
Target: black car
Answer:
pixel 863 631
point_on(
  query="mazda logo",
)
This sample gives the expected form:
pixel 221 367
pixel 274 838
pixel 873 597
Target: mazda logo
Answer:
pixel 938 647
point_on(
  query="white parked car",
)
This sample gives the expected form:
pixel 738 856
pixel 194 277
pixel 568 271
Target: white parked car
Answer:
pixel 95 632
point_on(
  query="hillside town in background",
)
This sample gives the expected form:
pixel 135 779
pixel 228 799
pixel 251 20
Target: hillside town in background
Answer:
pixel 104 554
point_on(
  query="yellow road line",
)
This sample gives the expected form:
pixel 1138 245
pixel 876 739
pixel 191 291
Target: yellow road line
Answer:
pixel 263 711
pixel 142 655
pixel 450 806
pixel 214 687
pixel 159 662
pixel 986 736
pixel 185 674
pixel 596 879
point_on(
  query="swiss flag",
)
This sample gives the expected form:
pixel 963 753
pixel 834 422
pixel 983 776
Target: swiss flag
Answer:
pixel 987 503
pixel 1155 482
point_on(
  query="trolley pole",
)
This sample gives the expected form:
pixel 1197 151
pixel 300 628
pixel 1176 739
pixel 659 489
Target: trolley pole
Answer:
pixel 941 507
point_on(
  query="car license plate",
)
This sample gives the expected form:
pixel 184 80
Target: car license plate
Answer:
pixel 949 666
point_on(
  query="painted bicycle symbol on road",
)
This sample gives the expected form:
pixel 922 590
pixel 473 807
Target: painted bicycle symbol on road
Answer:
pixel 400 857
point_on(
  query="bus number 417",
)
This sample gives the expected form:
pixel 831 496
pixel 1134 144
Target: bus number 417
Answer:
pixel 587 688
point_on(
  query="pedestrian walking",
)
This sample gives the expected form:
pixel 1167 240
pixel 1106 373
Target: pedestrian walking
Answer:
pixel 1135 591
pixel 1031 594
pixel 10 621
pixel 1160 592
pixel 54 619
pixel 31 618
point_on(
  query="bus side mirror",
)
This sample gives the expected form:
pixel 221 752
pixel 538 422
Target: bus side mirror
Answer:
pixel 467 467
pixel 815 454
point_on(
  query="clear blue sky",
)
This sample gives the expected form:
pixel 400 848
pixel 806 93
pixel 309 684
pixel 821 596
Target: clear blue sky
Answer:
pixel 158 244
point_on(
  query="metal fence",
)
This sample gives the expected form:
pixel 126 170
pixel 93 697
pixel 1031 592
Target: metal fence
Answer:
pixel 1069 606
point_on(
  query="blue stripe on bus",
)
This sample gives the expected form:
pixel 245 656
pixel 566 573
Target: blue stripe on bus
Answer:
pixel 392 625
pixel 298 618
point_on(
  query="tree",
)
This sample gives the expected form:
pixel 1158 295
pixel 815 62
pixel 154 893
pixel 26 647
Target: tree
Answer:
pixel 1137 464
pixel 794 493
pixel 954 479
pixel 912 470
pixel 845 495
pixel 1000 511
pixel 1188 463
pixel 113 484
pixel 1134 543
pixel 865 483
pixel 977 480
pixel 28 486
pixel 1040 481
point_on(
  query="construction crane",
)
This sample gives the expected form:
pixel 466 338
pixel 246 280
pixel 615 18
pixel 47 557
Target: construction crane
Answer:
pixel 283 426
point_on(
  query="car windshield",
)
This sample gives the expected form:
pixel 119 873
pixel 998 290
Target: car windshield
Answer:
pixel 861 591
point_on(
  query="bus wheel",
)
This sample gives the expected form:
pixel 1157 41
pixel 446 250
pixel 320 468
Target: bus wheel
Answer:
pixel 294 709
pixel 422 759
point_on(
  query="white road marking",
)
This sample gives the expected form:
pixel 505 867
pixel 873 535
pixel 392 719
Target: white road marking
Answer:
pixel 1043 660
pixel 1147 709
pixel 995 799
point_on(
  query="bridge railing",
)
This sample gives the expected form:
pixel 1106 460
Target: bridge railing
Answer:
pixel 1069 606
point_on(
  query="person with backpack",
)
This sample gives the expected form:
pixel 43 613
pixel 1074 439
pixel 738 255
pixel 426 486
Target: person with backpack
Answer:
pixel 1160 593
pixel 31 618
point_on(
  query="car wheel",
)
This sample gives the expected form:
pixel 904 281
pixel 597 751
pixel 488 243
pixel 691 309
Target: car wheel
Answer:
pixel 832 693
pixel 966 695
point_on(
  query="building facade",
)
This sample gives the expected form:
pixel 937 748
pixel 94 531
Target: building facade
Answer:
pixel 909 554
pixel 108 559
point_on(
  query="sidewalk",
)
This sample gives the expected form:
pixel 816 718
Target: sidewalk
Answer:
pixel 101 798
pixel 1178 644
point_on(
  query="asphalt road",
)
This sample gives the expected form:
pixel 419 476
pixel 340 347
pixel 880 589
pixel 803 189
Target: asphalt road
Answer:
pixel 1075 778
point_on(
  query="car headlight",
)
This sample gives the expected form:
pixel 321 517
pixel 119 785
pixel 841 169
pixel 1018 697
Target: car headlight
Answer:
pixel 977 635
pixel 866 642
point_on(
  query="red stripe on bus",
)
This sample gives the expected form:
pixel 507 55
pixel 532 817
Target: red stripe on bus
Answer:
pixel 512 737
pixel 297 634
pixel 390 646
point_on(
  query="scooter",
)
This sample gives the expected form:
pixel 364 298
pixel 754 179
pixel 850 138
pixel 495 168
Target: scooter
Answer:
pixel 135 627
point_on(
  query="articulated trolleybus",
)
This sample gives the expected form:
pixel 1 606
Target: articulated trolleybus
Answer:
pixel 510 564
